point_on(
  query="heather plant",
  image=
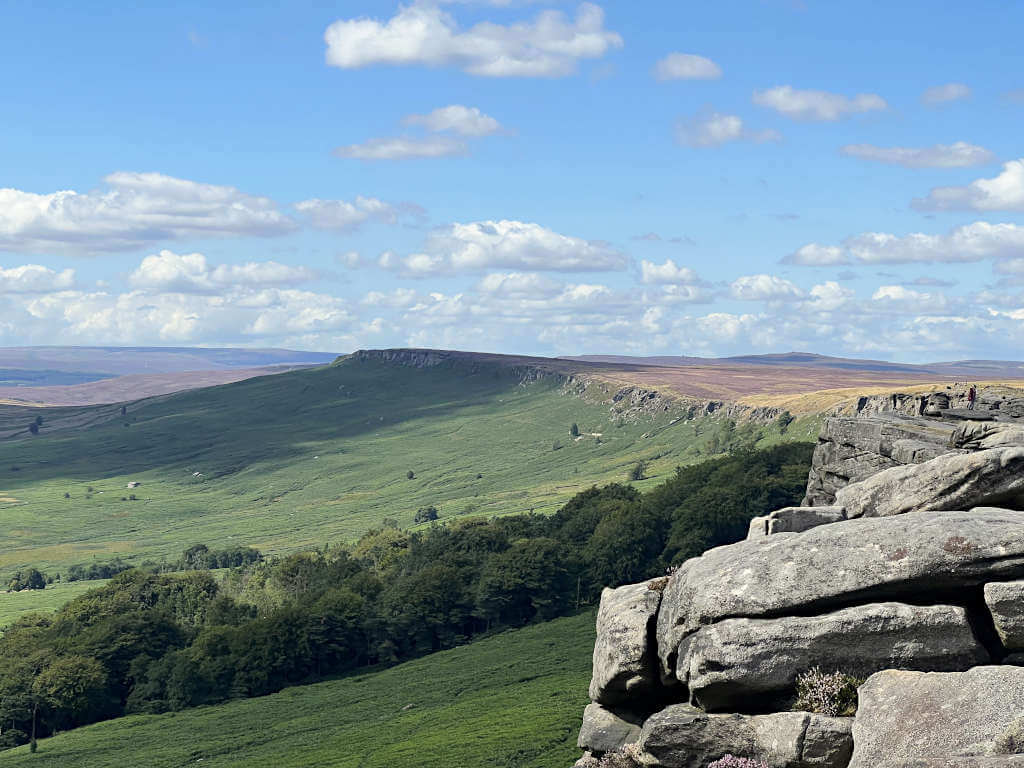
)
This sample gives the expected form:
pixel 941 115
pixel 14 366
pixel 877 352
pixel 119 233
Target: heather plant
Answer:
pixel 731 761
pixel 627 757
pixel 833 694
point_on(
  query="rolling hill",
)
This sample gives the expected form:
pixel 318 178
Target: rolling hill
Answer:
pixel 322 455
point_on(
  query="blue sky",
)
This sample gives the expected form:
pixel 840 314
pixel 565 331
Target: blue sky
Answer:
pixel 534 177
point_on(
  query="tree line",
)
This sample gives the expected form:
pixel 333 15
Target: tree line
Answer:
pixel 153 642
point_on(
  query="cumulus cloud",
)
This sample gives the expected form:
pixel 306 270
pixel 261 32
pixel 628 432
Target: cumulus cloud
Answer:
pixel 944 94
pixel 686 66
pixel 817 255
pixel 422 34
pixel 403 148
pixel 191 273
pixel 1010 266
pixel 34 278
pixel 957 155
pixel 483 245
pixel 712 129
pixel 763 288
pixel 667 273
pixel 1004 192
pixel 135 210
pixel 344 216
pixel 901 299
pixel 465 121
pixel 972 242
pixel 816 105
pixel 519 285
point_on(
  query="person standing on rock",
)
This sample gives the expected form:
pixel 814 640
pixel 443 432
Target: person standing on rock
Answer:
pixel 972 395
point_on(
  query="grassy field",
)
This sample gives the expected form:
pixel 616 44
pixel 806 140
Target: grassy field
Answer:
pixel 514 700
pixel 14 604
pixel 315 456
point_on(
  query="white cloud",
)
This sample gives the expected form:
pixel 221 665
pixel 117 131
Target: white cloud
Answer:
pixel 666 273
pixel 972 242
pixel 829 296
pixel 817 255
pixel 34 278
pixel 763 288
pixel 714 129
pixel 166 272
pixel 900 299
pixel 686 66
pixel 136 210
pixel 943 94
pixel 350 259
pixel 403 148
pixel 1004 192
pixel 343 216
pixel 504 244
pixel 423 34
pixel 957 155
pixel 816 105
pixel 519 285
pixel 465 121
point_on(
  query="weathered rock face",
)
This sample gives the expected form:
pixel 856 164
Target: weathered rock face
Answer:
pixel 852 449
pixel 832 566
pixel 606 731
pixel 880 570
pixel 1005 601
pixel 912 715
pixel 794 520
pixel 978 435
pixel 990 477
pixel 681 736
pixel 728 665
pixel 625 664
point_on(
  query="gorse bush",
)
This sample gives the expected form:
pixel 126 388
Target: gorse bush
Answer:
pixel 828 693
pixel 166 641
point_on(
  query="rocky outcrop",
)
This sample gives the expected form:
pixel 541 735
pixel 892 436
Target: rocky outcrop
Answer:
pixel 912 715
pixel 1005 601
pixel 925 554
pixel 681 736
pixel 852 449
pixel 990 477
pixel 897 568
pixel 625 664
pixel 733 663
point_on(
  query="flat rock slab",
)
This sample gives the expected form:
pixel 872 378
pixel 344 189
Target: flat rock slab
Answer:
pixel 979 436
pixel 606 731
pixel 1005 601
pixel 917 556
pixel 958 481
pixel 923 715
pixel 625 664
pixel 728 664
pixel 682 736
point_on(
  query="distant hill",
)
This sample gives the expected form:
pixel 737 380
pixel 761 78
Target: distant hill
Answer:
pixel 961 368
pixel 94 375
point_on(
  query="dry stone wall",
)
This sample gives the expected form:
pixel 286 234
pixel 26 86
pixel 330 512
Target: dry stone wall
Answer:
pixel 904 568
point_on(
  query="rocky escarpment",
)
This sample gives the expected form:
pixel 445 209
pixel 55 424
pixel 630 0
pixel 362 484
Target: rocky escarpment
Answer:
pixel 908 574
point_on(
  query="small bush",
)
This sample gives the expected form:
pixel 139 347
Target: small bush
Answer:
pixel 731 761
pixel 833 694
pixel 556 446
pixel 410 475
pixel 574 430
pixel 426 514
pixel 638 472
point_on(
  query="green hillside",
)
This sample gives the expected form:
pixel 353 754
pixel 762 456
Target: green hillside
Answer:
pixel 512 700
pixel 304 458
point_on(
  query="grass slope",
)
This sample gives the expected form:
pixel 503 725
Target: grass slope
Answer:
pixel 299 459
pixel 513 700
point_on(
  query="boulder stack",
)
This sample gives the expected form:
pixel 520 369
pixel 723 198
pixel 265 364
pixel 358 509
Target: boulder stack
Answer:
pixel 903 570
